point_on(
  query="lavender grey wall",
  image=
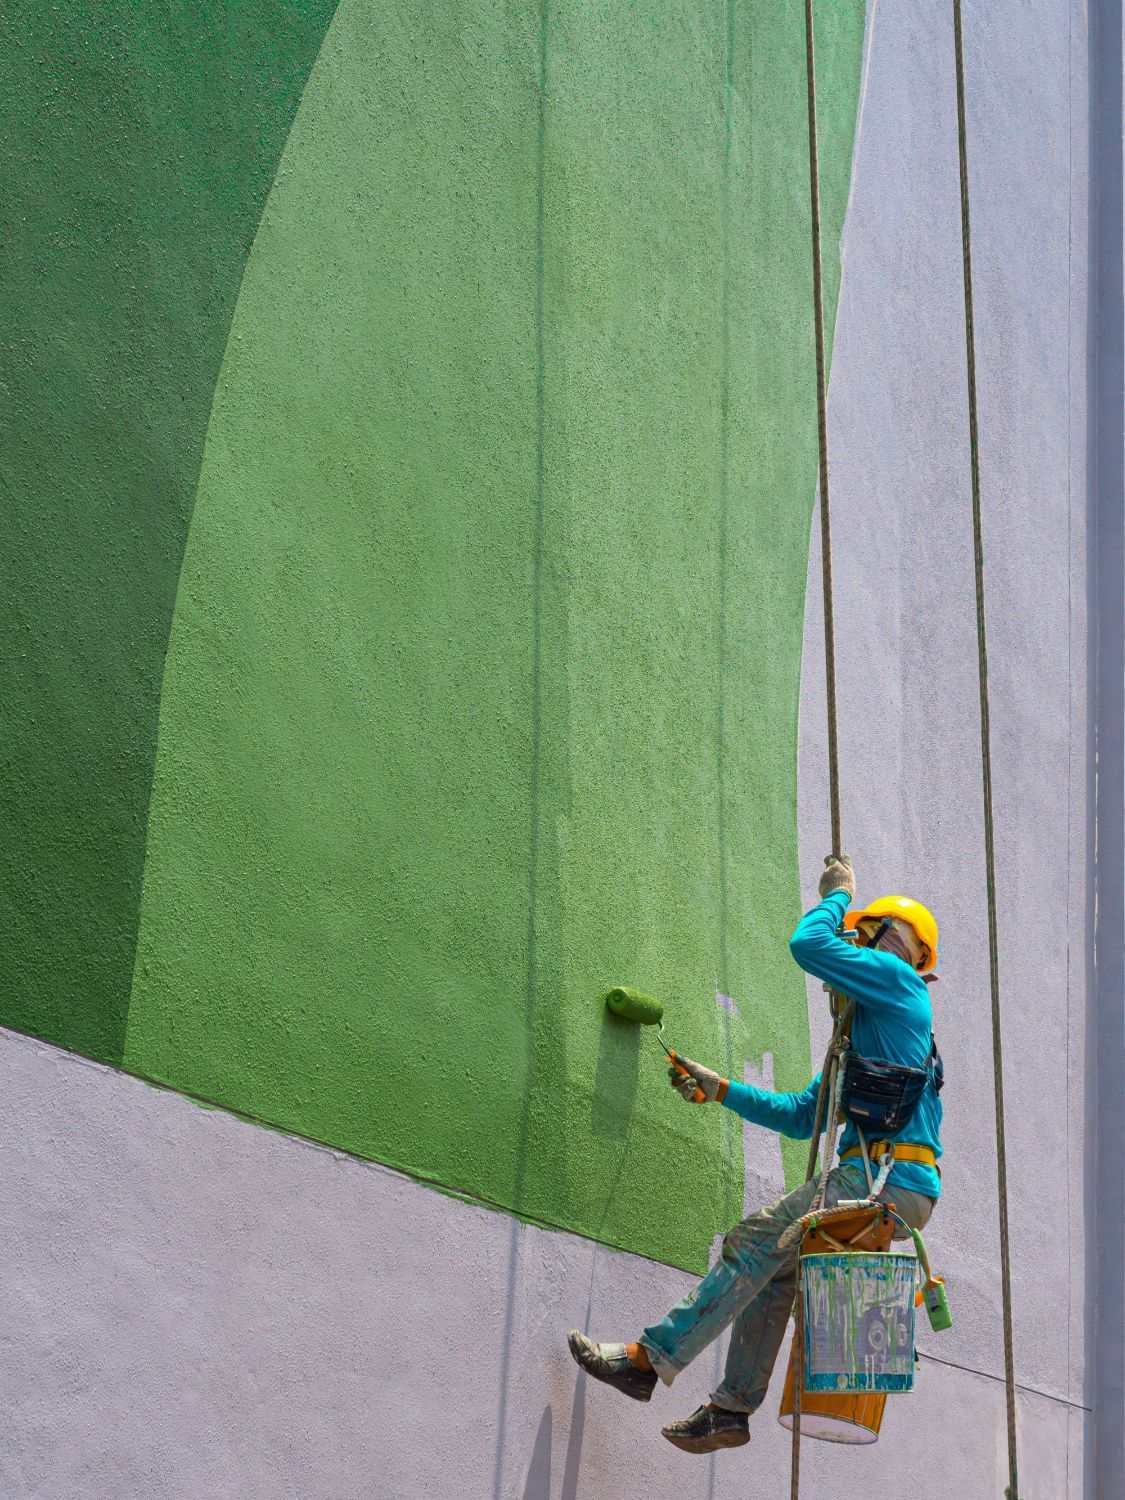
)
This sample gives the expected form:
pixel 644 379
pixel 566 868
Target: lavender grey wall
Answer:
pixel 202 1308
pixel 197 1307
pixel 910 722
pixel 1105 758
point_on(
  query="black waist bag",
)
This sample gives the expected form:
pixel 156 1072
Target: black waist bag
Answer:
pixel 880 1096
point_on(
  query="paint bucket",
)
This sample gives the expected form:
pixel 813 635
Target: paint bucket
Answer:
pixel 833 1417
pixel 859 1322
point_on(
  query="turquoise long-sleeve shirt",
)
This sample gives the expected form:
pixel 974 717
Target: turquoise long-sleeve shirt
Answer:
pixel 893 1020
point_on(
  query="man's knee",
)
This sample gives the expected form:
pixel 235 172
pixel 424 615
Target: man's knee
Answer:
pixel 748 1238
pixel 753 1241
pixel 740 1244
pixel 759 1233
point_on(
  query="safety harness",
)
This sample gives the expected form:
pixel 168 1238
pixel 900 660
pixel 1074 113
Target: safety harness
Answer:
pixel 901 1151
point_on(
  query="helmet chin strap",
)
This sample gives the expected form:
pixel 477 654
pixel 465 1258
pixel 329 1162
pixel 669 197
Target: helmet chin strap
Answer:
pixel 894 944
pixel 879 934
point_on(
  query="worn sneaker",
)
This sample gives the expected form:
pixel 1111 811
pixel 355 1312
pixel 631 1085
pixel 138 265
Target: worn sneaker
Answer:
pixel 706 1429
pixel 610 1363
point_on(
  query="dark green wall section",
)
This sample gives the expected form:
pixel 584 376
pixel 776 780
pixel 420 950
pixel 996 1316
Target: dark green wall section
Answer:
pixel 138 144
pixel 482 687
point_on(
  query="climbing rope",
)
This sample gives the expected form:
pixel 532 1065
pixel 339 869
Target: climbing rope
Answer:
pixel 826 1095
pixel 822 437
pixel 827 1110
pixel 986 762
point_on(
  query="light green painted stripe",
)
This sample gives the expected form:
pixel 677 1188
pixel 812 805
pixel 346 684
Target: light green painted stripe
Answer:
pixel 446 654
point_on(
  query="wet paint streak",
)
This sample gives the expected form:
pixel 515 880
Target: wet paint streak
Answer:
pixel 859 1322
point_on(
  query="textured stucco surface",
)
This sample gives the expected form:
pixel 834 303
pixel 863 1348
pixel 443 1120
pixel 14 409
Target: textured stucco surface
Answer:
pixel 137 145
pixel 203 1308
pixel 482 686
pixel 206 1309
pixel 910 736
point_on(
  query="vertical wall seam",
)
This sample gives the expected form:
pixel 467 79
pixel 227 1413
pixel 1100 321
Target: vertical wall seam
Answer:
pixel 536 630
pixel 1105 1215
pixel 857 143
pixel 725 488
pixel 1070 681
pixel 731 1137
pixel 538 548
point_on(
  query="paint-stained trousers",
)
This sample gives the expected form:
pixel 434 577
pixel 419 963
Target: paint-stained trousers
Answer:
pixel 751 1287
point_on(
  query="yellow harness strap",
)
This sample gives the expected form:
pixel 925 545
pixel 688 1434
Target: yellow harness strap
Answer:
pixel 903 1151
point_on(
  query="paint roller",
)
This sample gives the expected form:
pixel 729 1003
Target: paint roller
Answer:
pixel 633 1005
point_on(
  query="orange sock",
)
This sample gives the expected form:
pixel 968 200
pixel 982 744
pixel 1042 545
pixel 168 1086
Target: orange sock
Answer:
pixel 637 1356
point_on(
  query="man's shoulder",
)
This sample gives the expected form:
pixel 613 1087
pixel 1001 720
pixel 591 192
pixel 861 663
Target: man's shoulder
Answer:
pixel 905 986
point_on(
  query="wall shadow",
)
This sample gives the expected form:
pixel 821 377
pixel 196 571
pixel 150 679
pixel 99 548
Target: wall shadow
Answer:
pixel 538 1483
pixel 569 1490
pixel 615 1081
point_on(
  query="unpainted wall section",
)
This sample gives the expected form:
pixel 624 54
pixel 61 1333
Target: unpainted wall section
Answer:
pixel 248 1315
pixel 905 606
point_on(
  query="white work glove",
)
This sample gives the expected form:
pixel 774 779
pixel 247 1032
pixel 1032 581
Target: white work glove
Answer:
pixel 837 875
pixel 699 1077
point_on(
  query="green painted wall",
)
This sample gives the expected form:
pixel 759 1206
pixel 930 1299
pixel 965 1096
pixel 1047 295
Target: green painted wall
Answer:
pixel 481 686
pixel 137 145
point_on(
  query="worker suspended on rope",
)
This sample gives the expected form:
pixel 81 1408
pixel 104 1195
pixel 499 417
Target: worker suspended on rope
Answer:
pixel 893 1082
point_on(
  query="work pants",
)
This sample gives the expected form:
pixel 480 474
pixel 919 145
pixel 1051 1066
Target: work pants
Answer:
pixel 751 1286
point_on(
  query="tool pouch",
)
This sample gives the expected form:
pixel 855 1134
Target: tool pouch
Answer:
pixel 880 1096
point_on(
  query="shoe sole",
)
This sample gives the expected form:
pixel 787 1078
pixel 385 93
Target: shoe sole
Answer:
pixel 607 1379
pixel 708 1444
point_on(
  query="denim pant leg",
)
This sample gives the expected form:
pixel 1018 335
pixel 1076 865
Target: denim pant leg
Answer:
pixel 759 1330
pixel 755 1339
pixel 749 1262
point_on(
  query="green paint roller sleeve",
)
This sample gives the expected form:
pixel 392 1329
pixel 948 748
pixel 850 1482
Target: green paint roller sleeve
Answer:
pixel 632 1005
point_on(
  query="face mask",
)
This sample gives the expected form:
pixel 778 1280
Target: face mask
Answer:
pixel 888 941
pixel 893 943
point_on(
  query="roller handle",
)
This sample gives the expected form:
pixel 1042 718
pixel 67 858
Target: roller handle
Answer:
pixel 699 1097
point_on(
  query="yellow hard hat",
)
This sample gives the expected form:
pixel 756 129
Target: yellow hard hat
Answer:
pixel 911 912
